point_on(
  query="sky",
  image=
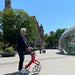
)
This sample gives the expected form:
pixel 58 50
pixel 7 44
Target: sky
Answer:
pixel 52 14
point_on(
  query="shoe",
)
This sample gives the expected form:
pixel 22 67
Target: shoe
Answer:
pixel 22 71
pixel 19 72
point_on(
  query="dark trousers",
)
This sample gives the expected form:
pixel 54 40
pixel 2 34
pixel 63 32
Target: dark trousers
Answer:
pixel 21 59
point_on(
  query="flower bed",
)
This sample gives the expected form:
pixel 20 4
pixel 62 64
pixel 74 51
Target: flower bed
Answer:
pixel 8 54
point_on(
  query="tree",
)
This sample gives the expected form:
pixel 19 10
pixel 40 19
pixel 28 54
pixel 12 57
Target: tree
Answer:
pixel 46 36
pixel 52 36
pixel 53 39
pixel 12 20
pixel 1 37
pixel 59 32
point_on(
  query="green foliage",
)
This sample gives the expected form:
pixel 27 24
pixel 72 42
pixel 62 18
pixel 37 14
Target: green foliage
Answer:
pixel 46 36
pixel 12 20
pixel 59 32
pixel 52 39
pixel 40 49
pixel 35 48
pixel 1 45
pixel 1 50
pixel 1 13
pixel 1 37
pixel 9 49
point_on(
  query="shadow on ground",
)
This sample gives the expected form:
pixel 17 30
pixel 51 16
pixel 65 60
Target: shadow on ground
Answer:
pixel 35 74
pixel 7 57
pixel 60 53
pixel 65 54
pixel 16 73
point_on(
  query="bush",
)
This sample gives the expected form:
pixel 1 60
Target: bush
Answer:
pixel 9 49
pixel 40 48
pixel 35 48
pixel 1 45
pixel 1 50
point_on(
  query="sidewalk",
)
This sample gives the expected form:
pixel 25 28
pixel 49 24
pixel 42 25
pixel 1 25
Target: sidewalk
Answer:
pixel 51 62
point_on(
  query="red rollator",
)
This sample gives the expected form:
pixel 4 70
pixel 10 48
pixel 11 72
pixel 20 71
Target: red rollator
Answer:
pixel 37 67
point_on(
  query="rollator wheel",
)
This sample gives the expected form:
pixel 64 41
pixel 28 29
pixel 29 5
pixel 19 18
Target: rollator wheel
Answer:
pixel 27 70
pixel 37 68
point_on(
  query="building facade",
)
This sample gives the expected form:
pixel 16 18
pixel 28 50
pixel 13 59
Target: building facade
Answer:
pixel 39 41
pixel 67 41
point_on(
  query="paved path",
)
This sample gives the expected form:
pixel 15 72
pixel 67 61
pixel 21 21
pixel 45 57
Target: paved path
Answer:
pixel 52 64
